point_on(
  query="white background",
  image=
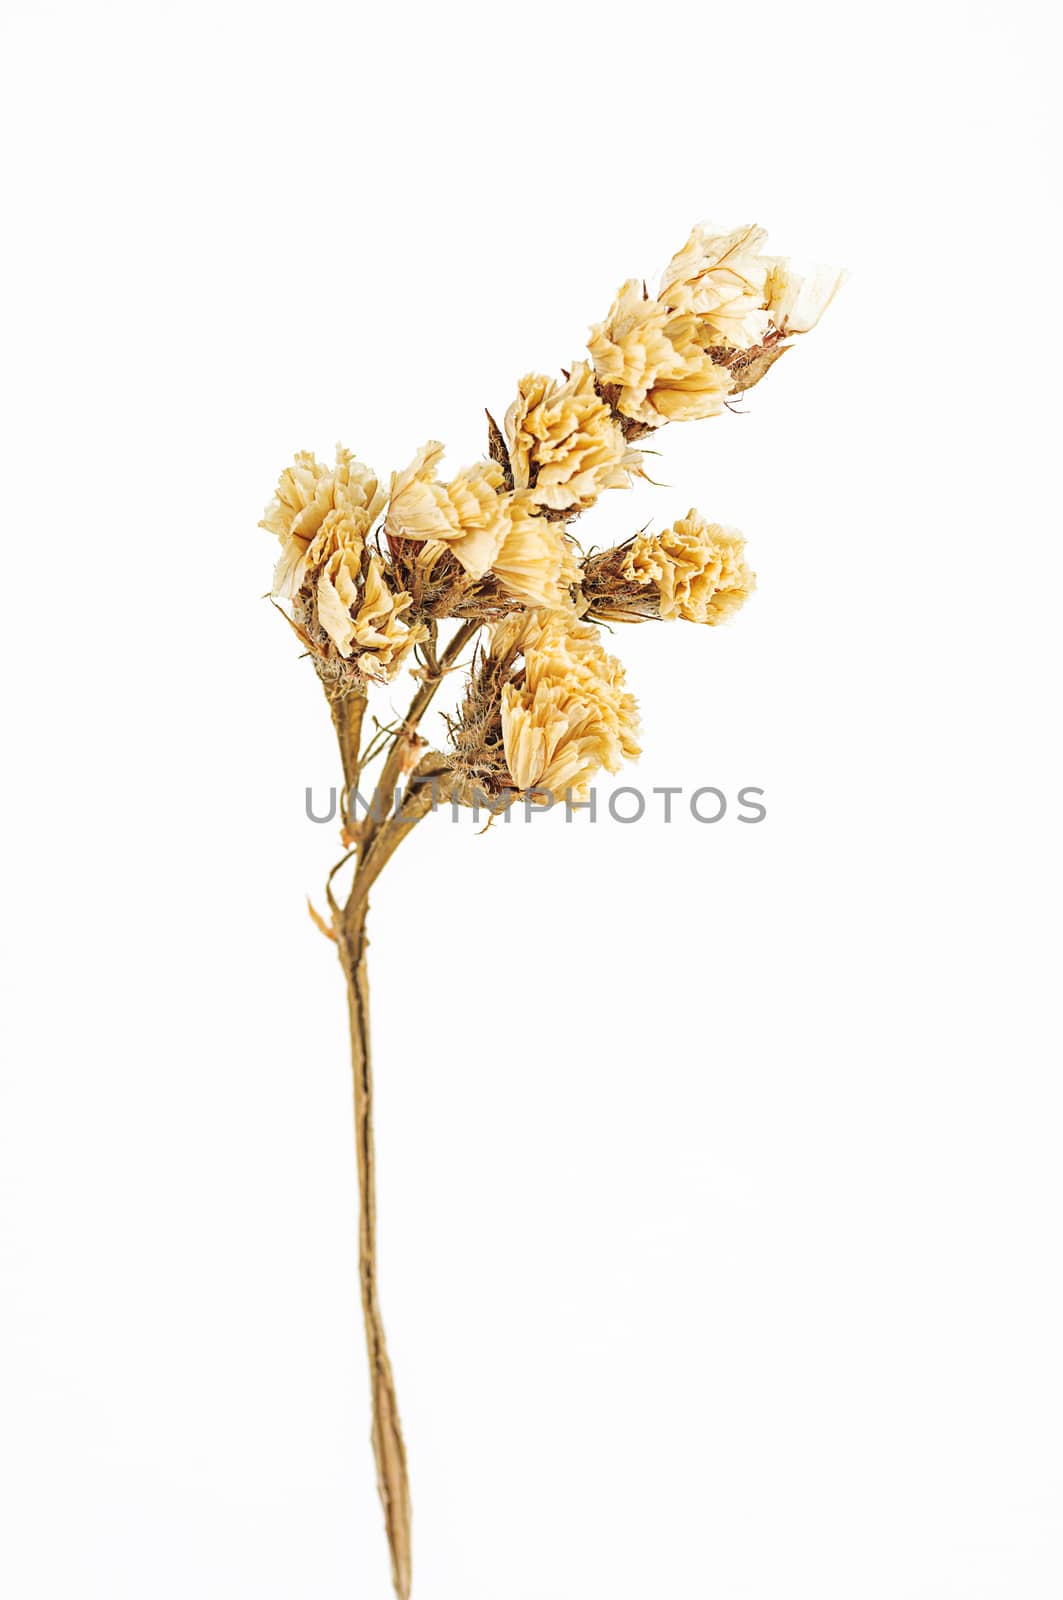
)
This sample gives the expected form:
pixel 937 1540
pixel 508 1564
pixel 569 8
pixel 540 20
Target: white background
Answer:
pixel 719 1166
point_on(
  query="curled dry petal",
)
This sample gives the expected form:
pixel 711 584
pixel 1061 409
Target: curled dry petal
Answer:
pixel 379 630
pixel 796 303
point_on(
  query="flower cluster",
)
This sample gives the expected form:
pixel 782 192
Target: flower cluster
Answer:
pixel 487 528
pixel 722 305
pixel 371 574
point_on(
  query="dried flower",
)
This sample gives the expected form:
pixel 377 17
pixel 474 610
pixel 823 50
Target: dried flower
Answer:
pixel 486 528
pixel 655 362
pixel 568 714
pixel 308 495
pixel 537 564
pixel 697 569
pixel 467 514
pixel 714 328
pixel 721 278
pixel 565 445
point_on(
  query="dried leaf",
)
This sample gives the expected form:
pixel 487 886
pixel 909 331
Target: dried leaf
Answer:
pixel 319 922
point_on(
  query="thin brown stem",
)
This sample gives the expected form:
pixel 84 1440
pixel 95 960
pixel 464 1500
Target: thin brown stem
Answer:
pixel 383 801
pixel 388 1447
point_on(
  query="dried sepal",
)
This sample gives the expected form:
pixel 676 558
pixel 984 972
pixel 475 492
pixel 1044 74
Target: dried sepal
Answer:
pixel 747 367
pixel 497 450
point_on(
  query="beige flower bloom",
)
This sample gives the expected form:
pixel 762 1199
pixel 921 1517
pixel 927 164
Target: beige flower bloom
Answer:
pixel 564 443
pixel 796 303
pixel 571 715
pixel 698 569
pixel 537 563
pixel 310 493
pixel 467 514
pixel 337 582
pixel 657 360
pixel 721 277
pixel 488 530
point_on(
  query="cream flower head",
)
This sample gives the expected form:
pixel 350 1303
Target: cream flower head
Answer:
pixel 467 514
pixel 489 530
pixel 698 569
pixel 565 445
pixel 656 361
pixel 537 564
pixel 721 277
pixel 570 715
pixel 310 494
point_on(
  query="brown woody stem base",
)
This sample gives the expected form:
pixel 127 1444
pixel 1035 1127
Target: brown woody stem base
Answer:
pixel 388 1447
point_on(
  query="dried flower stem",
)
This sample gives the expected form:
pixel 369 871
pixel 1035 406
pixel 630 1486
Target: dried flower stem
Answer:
pixel 384 795
pixel 381 833
pixel 388 1447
